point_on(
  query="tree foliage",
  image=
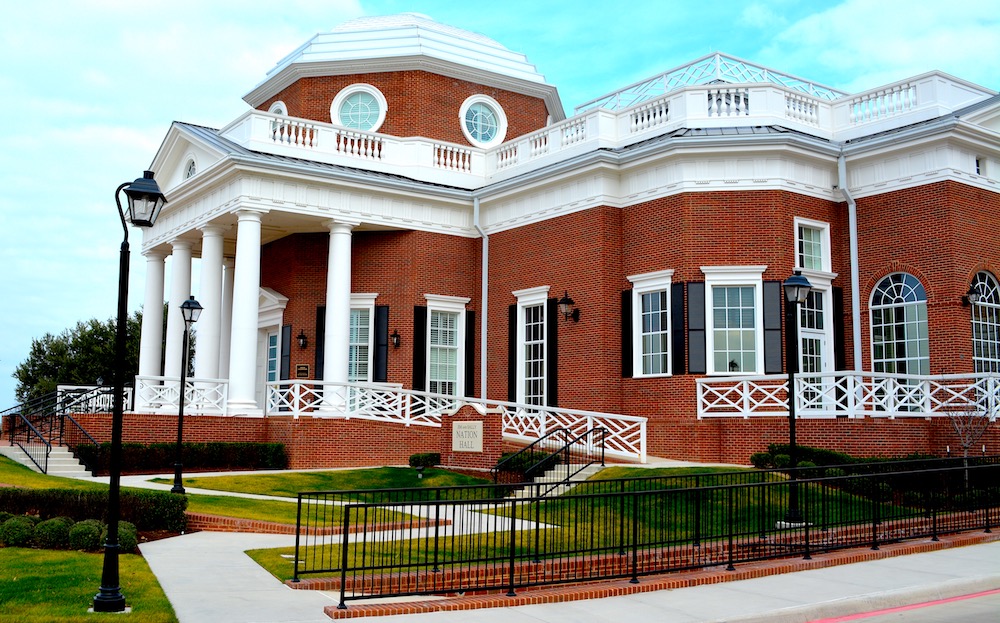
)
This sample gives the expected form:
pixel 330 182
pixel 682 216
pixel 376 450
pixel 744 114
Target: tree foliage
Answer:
pixel 77 356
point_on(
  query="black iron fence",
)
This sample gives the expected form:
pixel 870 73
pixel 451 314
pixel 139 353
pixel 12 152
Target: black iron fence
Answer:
pixel 449 540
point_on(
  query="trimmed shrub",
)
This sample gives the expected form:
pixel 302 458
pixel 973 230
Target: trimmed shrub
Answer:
pixel 128 537
pixel 53 533
pixel 4 516
pixel 782 461
pixel 150 510
pixel 86 535
pixel 159 457
pixel 761 460
pixel 425 459
pixel 17 531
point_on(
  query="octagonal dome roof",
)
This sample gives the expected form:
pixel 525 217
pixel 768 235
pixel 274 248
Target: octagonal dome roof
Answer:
pixel 397 42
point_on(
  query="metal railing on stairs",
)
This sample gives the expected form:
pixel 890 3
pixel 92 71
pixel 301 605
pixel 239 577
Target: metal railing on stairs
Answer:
pixel 35 426
pixel 559 455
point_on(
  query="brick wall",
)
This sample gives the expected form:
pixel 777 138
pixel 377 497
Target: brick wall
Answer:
pixel 418 103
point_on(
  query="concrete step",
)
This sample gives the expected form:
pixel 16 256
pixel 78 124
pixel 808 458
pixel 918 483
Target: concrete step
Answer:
pixel 61 461
pixel 552 482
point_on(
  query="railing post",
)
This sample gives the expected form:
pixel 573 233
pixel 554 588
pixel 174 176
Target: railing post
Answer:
pixel 513 554
pixel 730 519
pixel 805 519
pixel 437 527
pixel 697 510
pixel 298 532
pixel 538 523
pixel 874 496
pixel 635 538
pixel 621 517
pixel 343 557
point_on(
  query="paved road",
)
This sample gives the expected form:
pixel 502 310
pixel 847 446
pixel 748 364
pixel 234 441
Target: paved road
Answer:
pixel 976 608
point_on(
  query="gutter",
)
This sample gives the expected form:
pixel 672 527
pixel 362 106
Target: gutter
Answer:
pixel 852 217
pixel 485 275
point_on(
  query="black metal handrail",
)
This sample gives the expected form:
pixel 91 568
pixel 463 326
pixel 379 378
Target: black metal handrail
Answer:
pixel 30 440
pixel 557 447
pixel 615 529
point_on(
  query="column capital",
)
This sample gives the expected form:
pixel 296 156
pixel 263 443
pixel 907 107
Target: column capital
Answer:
pixel 340 225
pixel 249 214
pixel 180 243
pixel 154 255
pixel 213 229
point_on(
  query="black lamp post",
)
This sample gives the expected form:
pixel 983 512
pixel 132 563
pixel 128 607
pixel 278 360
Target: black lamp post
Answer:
pixel 144 204
pixel 191 311
pixel 797 289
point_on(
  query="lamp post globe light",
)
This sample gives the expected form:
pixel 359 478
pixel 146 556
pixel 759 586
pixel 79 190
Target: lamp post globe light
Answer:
pixel 144 204
pixel 191 311
pixel 797 289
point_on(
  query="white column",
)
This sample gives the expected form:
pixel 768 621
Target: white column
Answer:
pixel 226 330
pixel 151 342
pixel 180 290
pixel 336 344
pixel 246 292
pixel 206 358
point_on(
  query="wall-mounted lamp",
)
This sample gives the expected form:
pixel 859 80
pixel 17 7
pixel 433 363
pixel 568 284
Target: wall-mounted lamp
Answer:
pixel 395 338
pixel 972 296
pixel 565 303
pixel 302 339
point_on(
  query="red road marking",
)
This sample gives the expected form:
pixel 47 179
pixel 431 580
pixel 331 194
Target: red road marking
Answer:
pixel 865 615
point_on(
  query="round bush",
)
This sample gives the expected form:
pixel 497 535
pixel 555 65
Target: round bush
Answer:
pixel 52 533
pixel 782 460
pixel 761 460
pixel 17 531
pixel 86 535
pixel 128 537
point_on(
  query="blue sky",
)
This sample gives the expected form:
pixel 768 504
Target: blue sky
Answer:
pixel 91 88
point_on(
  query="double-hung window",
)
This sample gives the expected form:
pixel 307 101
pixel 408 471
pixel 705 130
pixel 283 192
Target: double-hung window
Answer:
pixel 651 323
pixel 360 348
pixel 445 344
pixel 735 332
pixel 531 345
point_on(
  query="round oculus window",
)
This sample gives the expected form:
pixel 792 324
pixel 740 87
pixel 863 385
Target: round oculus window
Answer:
pixel 483 121
pixel 360 111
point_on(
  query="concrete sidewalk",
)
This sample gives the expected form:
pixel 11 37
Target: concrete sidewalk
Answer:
pixel 209 579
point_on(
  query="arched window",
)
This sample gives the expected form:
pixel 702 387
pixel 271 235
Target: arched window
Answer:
pixel 190 168
pixel 899 326
pixel 986 323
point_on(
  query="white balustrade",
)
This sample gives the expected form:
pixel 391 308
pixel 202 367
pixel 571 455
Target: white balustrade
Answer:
pixel 625 435
pixel 850 394
pixel 156 394
pixel 698 106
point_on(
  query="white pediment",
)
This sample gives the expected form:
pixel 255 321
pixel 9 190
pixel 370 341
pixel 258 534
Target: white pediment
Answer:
pixel 181 148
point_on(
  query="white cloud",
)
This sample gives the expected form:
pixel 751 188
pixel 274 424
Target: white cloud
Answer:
pixel 859 44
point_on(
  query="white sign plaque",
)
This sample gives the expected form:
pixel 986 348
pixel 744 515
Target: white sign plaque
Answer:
pixel 467 437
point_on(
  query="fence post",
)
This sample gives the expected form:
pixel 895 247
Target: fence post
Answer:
pixel 874 496
pixel 805 519
pixel 343 557
pixel 635 538
pixel 298 531
pixel 538 521
pixel 513 520
pixel 621 517
pixel 697 510
pixel 730 566
pixel 437 527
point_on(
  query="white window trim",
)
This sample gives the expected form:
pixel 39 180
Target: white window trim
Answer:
pixel 346 92
pixel 454 304
pixel 734 276
pixel 366 300
pixel 527 298
pixel 822 282
pixel 642 284
pixel 824 242
pixel 501 119
pixel 871 318
pixel 278 108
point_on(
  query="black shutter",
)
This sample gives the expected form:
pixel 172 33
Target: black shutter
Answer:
pixel 677 329
pixel 626 334
pixel 552 352
pixel 512 353
pixel 320 342
pixel 839 333
pixel 284 369
pixel 696 327
pixel 772 327
pixel 420 348
pixel 470 353
pixel 380 361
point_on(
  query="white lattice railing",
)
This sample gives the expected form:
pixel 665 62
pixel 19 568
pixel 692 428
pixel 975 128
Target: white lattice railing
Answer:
pixel 202 396
pixel 850 394
pixel 625 435
pixel 86 398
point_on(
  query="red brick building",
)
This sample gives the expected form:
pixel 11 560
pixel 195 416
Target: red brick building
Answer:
pixel 399 215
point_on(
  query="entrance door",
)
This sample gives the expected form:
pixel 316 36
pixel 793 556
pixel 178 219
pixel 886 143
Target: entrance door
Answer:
pixel 267 365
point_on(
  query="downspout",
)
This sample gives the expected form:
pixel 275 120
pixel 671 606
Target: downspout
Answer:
pixel 485 275
pixel 852 218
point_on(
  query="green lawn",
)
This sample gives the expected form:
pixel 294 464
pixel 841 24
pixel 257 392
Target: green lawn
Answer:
pixel 289 484
pixel 41 586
